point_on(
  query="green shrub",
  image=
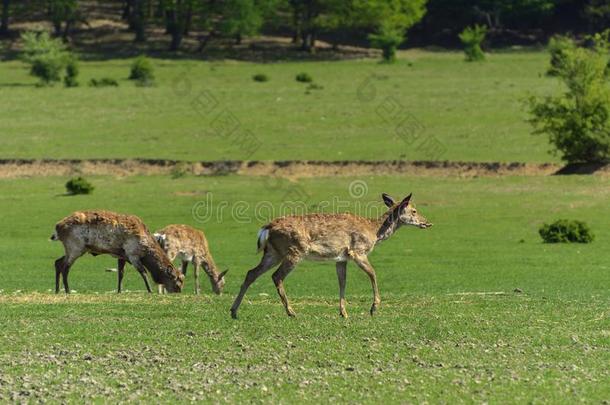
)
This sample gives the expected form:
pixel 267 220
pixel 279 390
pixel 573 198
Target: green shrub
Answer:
pixel 578 121
pixel 260 77
pixel 564 231
pixel 79 185
pixel 472 38
pixel 71 73
pixel 304 78
pixel 46 56
pixel 180 170
pixel 142 71
pixel 103 82
pixel 559 47
pixel 388 38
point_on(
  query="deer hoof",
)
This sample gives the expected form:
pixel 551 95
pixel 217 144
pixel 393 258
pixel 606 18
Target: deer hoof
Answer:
pixel 234 313
pixel 343 314
pixel 373 310
pixel 290 312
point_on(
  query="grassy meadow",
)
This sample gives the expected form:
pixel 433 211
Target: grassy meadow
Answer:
pixel 475 309
pixel 474 111
pixel 451 327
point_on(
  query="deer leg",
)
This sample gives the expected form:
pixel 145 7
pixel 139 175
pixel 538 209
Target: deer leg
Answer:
pixel 268 261
pixel 59 265
pixel 135 262
pixel 363 263
pixel 62 266
pixel 197 271
pixel 278 278
pixel 342 276
pixel 185 265
pixel 121 273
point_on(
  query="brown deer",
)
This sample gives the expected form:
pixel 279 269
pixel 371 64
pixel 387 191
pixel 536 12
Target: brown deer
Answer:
pixel 123 236
pixel 190 246
pixel 332 237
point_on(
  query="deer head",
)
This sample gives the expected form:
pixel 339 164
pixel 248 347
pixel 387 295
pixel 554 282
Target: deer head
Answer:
pixel 218 282
pixel 162 270
pixel 404 213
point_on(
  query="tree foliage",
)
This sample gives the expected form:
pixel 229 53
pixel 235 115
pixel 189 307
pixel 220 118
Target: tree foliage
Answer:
pixel 472 38
pixel 46 56
pixel 578 121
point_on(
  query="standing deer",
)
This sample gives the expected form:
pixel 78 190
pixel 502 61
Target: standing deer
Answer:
pixel 332 237
pixel 190 246
pixel 123 236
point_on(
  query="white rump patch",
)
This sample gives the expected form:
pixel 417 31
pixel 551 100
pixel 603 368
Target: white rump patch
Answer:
pixel 263 235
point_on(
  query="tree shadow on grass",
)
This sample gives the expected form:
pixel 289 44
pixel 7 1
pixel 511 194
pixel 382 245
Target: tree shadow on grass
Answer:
pixel 18 85
pixel 582 168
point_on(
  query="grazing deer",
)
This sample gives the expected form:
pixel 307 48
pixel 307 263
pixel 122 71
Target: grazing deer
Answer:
pixel 190 246
pixel 123 236
pixel 333 237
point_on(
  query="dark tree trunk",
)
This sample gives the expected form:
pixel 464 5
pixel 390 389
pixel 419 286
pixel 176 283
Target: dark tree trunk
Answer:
pixel 296 22
pixel 177 36
pixel 67 29
pixel 176 26
pixel 57 28
pixel 127 12
pixel 238 38
pixel 139 20
pixel 4 18
pixel 188 20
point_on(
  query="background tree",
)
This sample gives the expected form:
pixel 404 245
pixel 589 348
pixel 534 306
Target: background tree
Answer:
pixel 598 13
pixel 390 20
pixel 578 121
pixel 4 17
pixel 179 15
pixel 63 14
pixel 241 18
pixel 137 18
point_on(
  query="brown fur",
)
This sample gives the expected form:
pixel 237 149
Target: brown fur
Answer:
pixel 191 246
pixel 329 237
pixel 123 236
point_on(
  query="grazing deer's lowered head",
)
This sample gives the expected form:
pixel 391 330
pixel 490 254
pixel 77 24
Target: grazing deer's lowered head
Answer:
pixel 333 237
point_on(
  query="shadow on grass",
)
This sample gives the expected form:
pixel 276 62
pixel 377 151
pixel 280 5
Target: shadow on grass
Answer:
pixel 582 168
pixel 18 85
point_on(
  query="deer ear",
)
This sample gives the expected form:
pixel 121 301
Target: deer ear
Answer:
pixel 405 202
pixel 223 274
pixel 388 201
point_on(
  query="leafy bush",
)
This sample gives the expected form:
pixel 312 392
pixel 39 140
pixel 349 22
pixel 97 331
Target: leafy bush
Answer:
pixel 79 185
pixel 103 82
pixel 564 231
pixel 142 71
pixel 388 39
pixel 71 73
pixel 472 38
pixel 578 121
pixel 46 56
pixel 559 46
pixel 304 78
pixel 260 77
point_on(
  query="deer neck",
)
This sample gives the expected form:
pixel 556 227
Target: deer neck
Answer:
pixel 157 263
pixel 386 227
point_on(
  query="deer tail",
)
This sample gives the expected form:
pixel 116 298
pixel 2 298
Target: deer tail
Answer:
pixel 263 236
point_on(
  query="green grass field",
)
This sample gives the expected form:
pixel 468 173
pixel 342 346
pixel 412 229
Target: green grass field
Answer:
pixel 437 336
pixel 474 111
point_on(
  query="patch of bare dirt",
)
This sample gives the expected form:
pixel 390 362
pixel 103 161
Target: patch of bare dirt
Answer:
pixel 291 169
